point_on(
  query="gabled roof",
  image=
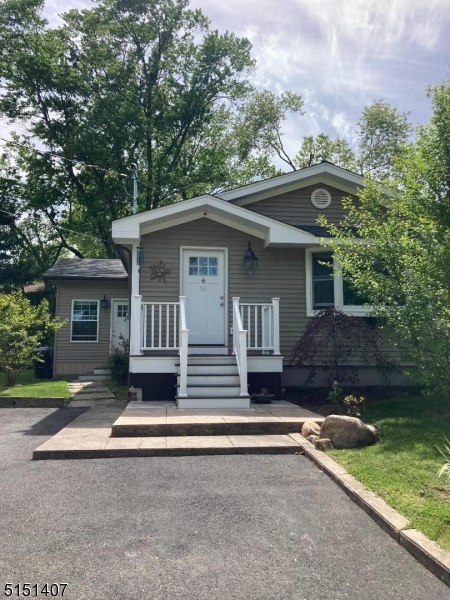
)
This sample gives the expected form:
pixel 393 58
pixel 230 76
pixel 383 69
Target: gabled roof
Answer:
pixel 324 172
pixel 87 268
pixel 273 232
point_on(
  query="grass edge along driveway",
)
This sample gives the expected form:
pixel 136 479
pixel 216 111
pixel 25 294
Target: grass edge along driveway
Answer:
pixel 402 468
pixel 29 387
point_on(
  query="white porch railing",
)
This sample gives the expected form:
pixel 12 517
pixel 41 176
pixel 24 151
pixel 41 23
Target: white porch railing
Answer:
pixel 184 345
pixel 240 347
pixel 262 323
pixel 159 325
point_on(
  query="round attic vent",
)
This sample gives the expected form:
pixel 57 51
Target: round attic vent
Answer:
pixel 320 198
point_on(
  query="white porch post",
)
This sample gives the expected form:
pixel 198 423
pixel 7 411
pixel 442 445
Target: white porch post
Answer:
pixel 136 303
pixel 243 362
pixel 184 343
pixel 235 300
pixel 276 325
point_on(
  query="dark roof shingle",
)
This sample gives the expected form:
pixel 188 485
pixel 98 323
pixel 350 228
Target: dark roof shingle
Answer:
pixel 87 268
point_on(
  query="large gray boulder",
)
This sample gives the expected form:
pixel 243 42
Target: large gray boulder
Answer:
pixel 348 432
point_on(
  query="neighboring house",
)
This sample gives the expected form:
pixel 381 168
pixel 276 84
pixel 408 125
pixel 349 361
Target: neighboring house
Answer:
pixel 206 318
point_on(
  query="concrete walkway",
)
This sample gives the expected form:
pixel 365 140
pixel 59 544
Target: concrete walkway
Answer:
pixel 160 429
pixel 90 393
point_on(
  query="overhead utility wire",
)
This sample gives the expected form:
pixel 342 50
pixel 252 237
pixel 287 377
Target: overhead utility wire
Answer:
pixel 71 160
pixel 58 226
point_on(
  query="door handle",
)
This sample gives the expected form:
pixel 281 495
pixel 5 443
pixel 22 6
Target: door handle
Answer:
pixel 222 303
pixel 221 297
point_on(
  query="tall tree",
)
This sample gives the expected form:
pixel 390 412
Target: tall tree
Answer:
pixel 315 149
pixel 383 132
pixel 126 81
pixel 403 266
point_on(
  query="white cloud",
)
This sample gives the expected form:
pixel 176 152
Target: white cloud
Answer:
pixel 339 54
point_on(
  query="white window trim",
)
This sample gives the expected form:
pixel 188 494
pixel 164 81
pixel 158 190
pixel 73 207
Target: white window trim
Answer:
pixel 348 309
pixel 98 322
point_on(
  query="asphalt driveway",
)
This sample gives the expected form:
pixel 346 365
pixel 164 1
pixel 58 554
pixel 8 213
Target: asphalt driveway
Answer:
pixel 228 527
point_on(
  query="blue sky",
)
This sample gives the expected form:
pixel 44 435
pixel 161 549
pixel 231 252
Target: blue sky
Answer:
pixel 339 55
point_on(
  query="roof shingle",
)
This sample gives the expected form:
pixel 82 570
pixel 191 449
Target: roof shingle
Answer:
pixel 87 268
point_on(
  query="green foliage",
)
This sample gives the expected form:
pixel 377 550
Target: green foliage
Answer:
pixel 23 327
pixel 403 265
pixel 259 127
pixel 445 469
pixel 122 82
pixel 387 367
pixel 336 394
pixel 382 133
pixel 353 405
pixel 333 341
pixel 118 362
pixel 315 149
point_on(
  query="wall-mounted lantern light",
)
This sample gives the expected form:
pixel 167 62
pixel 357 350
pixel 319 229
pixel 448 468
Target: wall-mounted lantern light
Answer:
pixel 104 302
pixel 140 255
pixel 250 260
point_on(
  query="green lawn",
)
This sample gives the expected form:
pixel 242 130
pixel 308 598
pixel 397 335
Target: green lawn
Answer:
pixel 28 387
pixel 403 467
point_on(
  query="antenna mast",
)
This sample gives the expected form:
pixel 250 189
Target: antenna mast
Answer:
pixel 133 168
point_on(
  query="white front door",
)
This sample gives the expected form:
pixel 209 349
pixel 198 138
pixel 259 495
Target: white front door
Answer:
pixel 203 284
pixel 120 321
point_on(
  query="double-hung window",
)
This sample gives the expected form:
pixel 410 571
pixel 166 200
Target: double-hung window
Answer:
pixel 84 321
pixel 325 286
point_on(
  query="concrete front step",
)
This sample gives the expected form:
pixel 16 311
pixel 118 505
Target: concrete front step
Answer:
pixel 103 447
pixel 214 402
pixel 211 380
pixel 124 427
pixel 101 371
pixel 92 377
pixel 215 369
pixel 210 360
pixel 213 391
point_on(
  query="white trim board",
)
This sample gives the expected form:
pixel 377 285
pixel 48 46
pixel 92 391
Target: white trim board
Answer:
pixel 270 230
pixel 323 172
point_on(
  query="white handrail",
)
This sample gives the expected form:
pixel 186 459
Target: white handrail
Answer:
pixel 262 321
pixel 240 347
pixel 184 343
pixel 159 325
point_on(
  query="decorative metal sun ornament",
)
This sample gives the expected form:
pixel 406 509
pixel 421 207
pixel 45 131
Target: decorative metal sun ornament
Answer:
pixel 159 272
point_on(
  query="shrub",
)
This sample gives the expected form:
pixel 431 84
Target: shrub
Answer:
pixel 23 327
pixel 118 362
pixel 387 367
pixel 446 454
pixel 331 340
pixel 336 395
pixel 353 405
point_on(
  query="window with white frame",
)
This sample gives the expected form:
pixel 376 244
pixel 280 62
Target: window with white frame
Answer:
pixel 325 286
pixel 84 321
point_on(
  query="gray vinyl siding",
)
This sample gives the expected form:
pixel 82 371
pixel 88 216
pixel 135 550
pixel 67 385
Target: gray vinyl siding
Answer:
pixel 295 207
pixel 280 272
pixel 73 358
